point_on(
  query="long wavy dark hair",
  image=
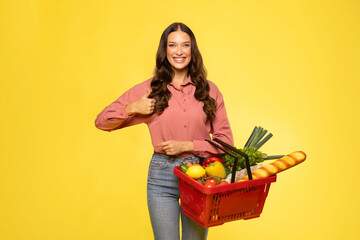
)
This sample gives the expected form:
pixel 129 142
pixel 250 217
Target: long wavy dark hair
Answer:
pixel 163 74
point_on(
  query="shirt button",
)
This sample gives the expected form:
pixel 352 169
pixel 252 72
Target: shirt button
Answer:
pixel 184 100
pixel 184 110
pixel 184 126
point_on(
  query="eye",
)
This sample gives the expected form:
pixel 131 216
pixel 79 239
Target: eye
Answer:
pixel 187 45
pixel 171 45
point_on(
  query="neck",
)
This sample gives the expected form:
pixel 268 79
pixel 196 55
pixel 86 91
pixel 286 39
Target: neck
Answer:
pixel 180 77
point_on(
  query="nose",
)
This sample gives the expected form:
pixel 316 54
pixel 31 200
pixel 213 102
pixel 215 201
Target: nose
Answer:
pixel 179 50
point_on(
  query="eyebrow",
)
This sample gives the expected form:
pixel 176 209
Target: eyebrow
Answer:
pixel 176 42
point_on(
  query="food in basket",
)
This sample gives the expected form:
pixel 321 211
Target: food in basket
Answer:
pixel 255 157
pixel 215 169
pixel 220 204
pixel 243 200
pixel 209 176
pixel 184 168
pixel 256 140
pixel 242 173
pixel 211 182
pixel 195 171
pixel 211 160
pixel 277 166
pixel 222 182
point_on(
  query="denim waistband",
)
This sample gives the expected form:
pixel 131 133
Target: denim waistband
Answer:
pixel 172 158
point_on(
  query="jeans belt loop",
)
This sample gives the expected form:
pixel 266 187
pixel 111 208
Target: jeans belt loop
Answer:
pixel 172 158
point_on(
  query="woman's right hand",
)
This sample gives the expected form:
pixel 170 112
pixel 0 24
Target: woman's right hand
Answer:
pixel 143 106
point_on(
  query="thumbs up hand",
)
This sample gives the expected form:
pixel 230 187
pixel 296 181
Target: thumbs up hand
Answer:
pixel 143 106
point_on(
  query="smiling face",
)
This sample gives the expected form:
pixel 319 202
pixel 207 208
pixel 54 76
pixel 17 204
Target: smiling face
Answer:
pixel 178 50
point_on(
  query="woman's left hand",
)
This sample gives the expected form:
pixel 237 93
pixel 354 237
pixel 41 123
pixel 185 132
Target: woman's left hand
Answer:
pixel 176 147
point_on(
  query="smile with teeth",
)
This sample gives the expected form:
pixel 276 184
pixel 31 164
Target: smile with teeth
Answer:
pixel 179 59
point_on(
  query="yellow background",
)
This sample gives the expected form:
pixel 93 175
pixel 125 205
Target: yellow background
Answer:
pixel 290 66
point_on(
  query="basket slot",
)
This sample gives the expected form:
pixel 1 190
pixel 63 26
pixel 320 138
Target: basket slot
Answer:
pixel 214 212
pixel 266 188
pixel 216 201
pixel 214 216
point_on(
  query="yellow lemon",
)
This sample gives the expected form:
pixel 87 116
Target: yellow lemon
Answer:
pixel 195 171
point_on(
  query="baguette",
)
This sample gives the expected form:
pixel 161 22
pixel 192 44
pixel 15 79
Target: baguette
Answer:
pixel 277 166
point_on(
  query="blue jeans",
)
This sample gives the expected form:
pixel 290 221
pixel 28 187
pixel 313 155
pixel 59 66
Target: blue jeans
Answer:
pixel 163 201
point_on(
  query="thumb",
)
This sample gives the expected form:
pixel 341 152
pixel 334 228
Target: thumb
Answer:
pixel 161 144
pixel 148 91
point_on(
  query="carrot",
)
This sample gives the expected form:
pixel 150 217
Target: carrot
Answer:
pixel 189 164
pixel 277 166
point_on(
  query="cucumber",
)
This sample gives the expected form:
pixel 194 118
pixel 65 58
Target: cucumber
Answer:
pixel 183 168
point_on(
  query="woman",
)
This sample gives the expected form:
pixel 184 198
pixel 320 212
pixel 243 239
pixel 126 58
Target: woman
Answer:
pixel 181 108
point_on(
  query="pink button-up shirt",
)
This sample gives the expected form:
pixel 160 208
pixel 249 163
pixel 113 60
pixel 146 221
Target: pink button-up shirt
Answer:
pixel 183 120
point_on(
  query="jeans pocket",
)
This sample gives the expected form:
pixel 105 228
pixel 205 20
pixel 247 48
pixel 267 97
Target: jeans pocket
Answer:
pixel 158 164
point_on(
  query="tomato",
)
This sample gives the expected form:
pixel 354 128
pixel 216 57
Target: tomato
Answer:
pixel 223 182
pixel 211 182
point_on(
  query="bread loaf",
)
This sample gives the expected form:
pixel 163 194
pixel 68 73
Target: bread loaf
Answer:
pixel 277 166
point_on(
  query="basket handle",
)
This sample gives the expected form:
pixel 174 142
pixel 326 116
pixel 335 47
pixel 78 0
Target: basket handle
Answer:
pixel 236 159
pixel 238 152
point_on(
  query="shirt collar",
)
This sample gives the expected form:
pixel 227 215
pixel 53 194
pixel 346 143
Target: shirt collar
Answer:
pixel 188 81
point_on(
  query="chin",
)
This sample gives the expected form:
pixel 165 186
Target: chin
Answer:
pixel 180 67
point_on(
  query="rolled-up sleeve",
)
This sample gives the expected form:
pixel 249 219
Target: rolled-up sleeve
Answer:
pixel 114 116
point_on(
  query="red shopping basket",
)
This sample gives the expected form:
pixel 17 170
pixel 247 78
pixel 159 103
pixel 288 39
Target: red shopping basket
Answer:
pixel 219 204
pixel 216 205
